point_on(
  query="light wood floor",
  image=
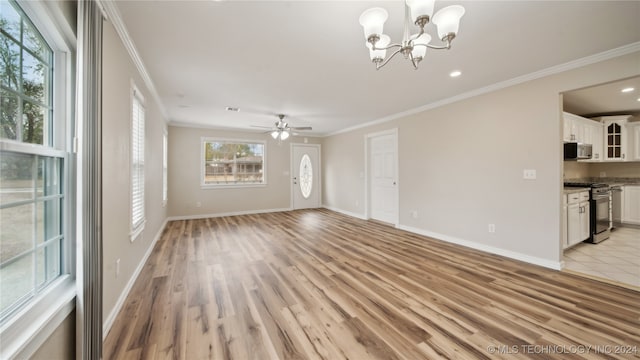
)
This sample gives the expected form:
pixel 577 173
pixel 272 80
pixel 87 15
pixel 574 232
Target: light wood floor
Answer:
pixel 315 284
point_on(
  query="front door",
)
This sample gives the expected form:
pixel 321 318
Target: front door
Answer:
pixel 305 173
pixel 383 178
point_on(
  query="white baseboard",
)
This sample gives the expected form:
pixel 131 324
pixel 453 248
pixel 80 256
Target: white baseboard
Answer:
pixel 555 265
pixel 108 322
pixel 234 213
pixel 345 212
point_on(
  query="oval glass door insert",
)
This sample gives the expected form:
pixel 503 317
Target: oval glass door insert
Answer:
pixel 306 176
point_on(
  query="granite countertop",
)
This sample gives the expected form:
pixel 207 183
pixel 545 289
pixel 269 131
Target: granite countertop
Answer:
pixel 609 180
pixel 572 190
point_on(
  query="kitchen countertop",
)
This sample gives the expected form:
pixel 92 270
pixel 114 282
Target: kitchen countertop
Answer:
pixel 609 180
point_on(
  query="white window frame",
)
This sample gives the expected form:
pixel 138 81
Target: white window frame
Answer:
pixel 203 185
pixel 138 114
pixel 165 168
pixel 29 327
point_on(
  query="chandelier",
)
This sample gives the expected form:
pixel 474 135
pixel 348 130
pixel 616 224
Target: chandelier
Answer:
pixel 413 47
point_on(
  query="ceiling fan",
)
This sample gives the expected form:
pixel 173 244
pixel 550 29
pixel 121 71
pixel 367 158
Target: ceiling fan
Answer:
pixel 281 130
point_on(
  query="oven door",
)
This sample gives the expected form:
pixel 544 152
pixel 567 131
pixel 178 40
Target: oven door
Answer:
pixel 601 205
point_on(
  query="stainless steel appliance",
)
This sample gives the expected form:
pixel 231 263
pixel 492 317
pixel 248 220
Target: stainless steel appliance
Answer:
pixel 575 151
pixel 600 214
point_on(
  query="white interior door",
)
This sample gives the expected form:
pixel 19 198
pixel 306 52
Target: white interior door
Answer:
pixel 305 173
pixel 383 178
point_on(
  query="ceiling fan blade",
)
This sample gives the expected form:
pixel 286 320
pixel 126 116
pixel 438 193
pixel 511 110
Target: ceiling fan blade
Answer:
pixel 262 127
pixel 301 128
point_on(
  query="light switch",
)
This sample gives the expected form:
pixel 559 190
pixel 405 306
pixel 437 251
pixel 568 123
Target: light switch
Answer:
pixel 529 174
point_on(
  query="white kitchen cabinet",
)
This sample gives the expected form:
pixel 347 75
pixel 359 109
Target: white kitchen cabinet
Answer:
pixel 596 133
pixel 633 137
pixel 577 218
pixel 565 237
pixel 584 131
pixel 615 137
pixel 631 204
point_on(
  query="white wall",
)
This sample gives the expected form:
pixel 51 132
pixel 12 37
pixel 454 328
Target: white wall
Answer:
pixel 118 72
pixel 185 170
pixel 460 165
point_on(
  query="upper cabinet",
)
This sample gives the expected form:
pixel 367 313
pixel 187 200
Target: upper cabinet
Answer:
pixel 584 131
pixel 613 138
pixel 618 138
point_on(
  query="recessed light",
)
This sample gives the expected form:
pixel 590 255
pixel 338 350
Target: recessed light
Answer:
pixel 235 109
pixel 626 90
pixel 455 73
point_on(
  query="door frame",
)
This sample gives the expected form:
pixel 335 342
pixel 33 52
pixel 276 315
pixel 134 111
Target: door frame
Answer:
pixel 291 168
pixel 367 172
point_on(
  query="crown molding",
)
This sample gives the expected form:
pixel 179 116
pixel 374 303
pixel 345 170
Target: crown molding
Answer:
pixel 111 12
pixel 588 60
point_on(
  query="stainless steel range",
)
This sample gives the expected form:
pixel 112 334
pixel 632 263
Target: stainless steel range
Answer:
pixel 600 216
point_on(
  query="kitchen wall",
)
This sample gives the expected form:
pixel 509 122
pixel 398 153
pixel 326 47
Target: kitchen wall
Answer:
pixel 185 169
pixel 461 165
pixel 627 169
pixel 576 170
pixel 118 74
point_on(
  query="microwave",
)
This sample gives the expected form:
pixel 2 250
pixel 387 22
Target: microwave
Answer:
pixel 575 151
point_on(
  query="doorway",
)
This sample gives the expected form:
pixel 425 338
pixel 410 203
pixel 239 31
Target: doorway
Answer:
pixel 305 175
pixel 382 177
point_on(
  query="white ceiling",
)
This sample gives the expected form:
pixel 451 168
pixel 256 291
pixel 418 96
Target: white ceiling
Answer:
pixel 307 59
pixel 605 99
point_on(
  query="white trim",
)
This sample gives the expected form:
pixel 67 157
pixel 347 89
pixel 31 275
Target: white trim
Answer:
pixel 108 321
pixel 345 212
pixel 113 15
pixel 182 124
pixel 25 333
pixel 319 170
pixel 233 213
pixel 588 60
pixel 367 148
pixel 555 265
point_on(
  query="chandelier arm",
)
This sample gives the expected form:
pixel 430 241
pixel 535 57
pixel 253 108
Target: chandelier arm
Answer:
pixel 413 61
pixel 386 48
pixel 379 65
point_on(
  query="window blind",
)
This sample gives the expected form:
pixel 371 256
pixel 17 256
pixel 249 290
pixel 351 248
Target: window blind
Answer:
pixel 137 163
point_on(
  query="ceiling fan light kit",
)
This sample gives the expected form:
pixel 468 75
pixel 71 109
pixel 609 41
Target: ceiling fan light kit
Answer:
pixel 413 46
pixel 282 130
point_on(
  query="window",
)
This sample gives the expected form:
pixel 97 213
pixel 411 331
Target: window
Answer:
pixel 137 163
pixel 232 162
pixel 33 188
pixel 165 163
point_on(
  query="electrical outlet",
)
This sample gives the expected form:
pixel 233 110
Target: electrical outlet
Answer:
pixel 529 174
pixel 414 214
pixel 198 204
pixel 492 228
pixel 357 203
pixel 117 268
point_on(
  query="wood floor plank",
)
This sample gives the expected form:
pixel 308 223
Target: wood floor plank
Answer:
pixel 315 284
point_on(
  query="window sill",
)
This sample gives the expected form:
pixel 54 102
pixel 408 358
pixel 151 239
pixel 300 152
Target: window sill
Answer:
pixel 28 329
pixel 230 186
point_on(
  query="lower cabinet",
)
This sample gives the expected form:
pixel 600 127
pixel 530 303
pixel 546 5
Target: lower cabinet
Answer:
pixel 578 211
pixel 631 204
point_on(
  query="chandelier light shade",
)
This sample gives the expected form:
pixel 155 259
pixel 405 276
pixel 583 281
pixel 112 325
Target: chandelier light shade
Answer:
pixel 420 9
pixel 413 46
pixel 372 21
pixel 448 21
pixel 381 53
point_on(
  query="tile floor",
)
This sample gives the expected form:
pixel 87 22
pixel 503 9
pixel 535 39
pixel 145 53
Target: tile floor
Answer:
pixel 617 258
